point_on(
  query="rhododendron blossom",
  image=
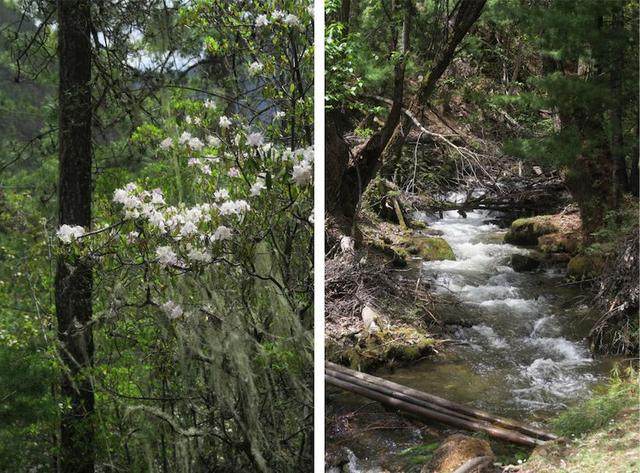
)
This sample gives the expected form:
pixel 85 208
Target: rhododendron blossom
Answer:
pixel 261 20
pixel 166 256
pixel 166 144
pixel 69 233
pixel 255 139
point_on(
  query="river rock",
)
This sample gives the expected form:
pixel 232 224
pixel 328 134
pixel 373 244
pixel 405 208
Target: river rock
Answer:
pixel 585 267
pixel 559 243
pixel 523 263
pixel 526 231
pixel 428 248
pixel 455 451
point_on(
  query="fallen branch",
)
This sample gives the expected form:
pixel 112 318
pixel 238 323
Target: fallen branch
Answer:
pixel 421 399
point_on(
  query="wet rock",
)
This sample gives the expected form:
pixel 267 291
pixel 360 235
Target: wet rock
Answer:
pixel 526 231
pixel 523 263
pixel 427 247
pixel 401 344
pixel 559 243
pixel 455 451
pixel 585 267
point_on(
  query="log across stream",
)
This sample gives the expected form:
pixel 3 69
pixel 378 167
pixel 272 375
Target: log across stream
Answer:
pixel 427 407
pixel 522 352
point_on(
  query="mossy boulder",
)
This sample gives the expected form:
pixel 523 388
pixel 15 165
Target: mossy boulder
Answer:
pixel 455 451
pixel 582 267
pixel 401 344
pixel 559 243
pixel 523 263
pixel 429 248
pixel 526 231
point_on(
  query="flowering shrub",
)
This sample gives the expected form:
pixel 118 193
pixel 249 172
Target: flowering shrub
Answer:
pixel 205 258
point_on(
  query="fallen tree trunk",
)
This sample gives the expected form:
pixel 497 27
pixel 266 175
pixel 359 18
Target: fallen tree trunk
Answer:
pixel 420 398
pixel 430 415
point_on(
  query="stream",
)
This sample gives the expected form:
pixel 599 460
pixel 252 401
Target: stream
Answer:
pixel 520 350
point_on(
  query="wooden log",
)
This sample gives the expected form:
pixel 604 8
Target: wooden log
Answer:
pixel 431 415
pixel 398 395
pixel 454 406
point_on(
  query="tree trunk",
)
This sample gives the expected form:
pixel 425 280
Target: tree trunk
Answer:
pixel 348 173
pixel 73 280
pixel 620 181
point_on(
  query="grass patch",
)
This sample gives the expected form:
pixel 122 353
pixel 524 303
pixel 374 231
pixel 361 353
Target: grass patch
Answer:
pixel 621 392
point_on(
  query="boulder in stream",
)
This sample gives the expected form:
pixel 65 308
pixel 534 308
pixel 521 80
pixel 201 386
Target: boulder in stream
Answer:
pixel 526 231
pixel 429 248
pixel 456 451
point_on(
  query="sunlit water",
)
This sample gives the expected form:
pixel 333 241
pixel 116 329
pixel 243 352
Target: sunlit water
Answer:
pixel 520 346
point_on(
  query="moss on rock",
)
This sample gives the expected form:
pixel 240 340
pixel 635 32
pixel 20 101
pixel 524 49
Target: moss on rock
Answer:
pixel 559 243
pixel 399 344
pixel 526 231
pixel 428 248
pixel 582 267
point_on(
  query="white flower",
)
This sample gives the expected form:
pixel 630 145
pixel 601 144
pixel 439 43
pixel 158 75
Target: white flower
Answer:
pixel 221 194
pixel 213 141
pixel 258 186
pixel 222 233
pixel 193 162
pixel 310 9
pixel 68 233
pixel 209 104
pixel 119 195
pixel 261 20
pixel 225 122
pixel 234 207
pixel 166 144
pixel 233 172
pixel 188 228
pixel 195 144
pixel 246 15
pixel 291 20
pixel 255 68
pixel 311 219
pixel 156 219
pixel 255 139
pixel 184 137
pixel 278 15
pixel 132 237
pixel 172 309
pixel 196 254
pixel 206 169
pixel 166 256
pixel 279 115
pixel 302 173
pixel 156 197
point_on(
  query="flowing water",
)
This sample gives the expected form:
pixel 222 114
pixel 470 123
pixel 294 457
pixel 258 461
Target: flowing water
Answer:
pixel 520 348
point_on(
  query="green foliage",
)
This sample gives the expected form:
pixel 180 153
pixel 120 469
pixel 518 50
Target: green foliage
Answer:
pixel 621 392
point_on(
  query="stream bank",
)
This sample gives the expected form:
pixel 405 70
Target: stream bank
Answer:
pixel 516 343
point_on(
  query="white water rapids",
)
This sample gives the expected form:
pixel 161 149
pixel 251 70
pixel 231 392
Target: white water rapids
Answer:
pixel 516 321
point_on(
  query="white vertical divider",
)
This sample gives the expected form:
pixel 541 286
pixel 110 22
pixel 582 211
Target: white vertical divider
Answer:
pixel 318 302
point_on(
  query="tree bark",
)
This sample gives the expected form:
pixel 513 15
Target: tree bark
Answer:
pixel 73 279
pixel 620 180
